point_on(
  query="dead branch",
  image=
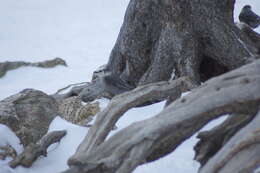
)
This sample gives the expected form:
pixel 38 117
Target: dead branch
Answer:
pixel 211 141
pixel 235 92
pixel 240 154
pixel 33 151
pixel 107 119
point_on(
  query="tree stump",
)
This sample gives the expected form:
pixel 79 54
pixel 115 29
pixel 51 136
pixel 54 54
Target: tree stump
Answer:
pixel 184 37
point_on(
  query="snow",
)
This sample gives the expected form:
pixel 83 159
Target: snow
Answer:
pixel 83 33
pixel 58 153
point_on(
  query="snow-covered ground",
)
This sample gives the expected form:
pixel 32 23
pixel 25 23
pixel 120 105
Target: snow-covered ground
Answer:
pixel 83 33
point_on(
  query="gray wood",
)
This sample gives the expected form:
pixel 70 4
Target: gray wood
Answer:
pixel 28 114
pixel 162 36
pixel 107 119
pixel 34 150
pixel 213 140
pixel 235 92
pixel 6 66
pixel 241 154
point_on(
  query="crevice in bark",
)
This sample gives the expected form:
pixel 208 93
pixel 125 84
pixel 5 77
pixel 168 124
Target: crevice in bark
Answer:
pixel 210 68
pixel 34 150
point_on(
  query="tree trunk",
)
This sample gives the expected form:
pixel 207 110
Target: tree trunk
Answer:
pixel 162 40
pixel 195 38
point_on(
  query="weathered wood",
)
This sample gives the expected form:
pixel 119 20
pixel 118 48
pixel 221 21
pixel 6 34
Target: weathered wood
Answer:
pixel 28 114
pixel 107 119
pixel 241 154
pixel 254 36
pixel 213 140
pixel 160 37
pixel 76 87
pixel 235 92
pixel 6 66
pixel 33 151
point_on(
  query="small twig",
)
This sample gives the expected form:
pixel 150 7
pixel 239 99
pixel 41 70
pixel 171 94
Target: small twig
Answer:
pixel 76 84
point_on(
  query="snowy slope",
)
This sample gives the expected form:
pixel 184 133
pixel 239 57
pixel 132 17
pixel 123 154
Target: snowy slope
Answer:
pixel 83 33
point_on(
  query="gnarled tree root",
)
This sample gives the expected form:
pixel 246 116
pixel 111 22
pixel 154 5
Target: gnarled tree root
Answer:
pixel 235 92
pixel 33 151
pixel 213 140
pixel 107 119
pixel 241 153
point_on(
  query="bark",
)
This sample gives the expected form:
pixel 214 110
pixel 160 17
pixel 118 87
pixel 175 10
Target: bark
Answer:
pixel 234 92
pixel 33 151
pixel 160 37
pixel 241 154
pixel 213 140
pixel 107 119
pixel 254 36
pixel 28 114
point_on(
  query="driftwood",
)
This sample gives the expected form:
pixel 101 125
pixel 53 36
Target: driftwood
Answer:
pixel 75 88
pixel 33 151
pixel 235 92
pixel 213 140
pixel 6 66
pixel 107 119
pixel 28 114
pixel 241 154
pixel 194 38
pixel 254 36
pixel 102 86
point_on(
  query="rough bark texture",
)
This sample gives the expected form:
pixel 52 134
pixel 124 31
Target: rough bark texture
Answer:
pixel 33 151
pixel 254 36
pixel 213 140
pixel 28 114
pixel 107 119
pixel 164 39
pixel 6 66
pixel 241 154
pixel 234 92
pixel 106 85
pixel 160 37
